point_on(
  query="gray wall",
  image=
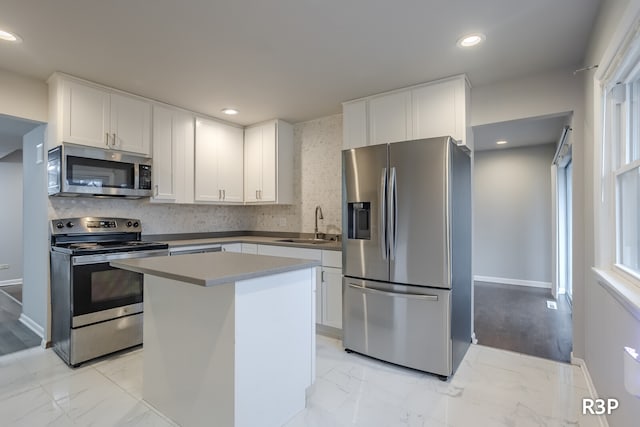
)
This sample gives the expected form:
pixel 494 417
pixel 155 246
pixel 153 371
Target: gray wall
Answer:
pixel 512 213
pixel 609 326
pixel 11 216
pixel 35 292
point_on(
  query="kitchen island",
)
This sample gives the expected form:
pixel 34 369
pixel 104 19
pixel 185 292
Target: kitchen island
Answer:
pixel 229 339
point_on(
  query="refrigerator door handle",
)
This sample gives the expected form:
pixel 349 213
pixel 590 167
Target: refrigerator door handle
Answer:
pixel 393 215
pixel 384 247
pixel 394 294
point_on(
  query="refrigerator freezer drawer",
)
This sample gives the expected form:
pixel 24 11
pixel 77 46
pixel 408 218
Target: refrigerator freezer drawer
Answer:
pixel 405 325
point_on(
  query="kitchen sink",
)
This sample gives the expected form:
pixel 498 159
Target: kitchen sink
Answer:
pixel 307 241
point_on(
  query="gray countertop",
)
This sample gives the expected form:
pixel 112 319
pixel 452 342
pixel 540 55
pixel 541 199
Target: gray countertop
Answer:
pixel 214 268
pixel 330 245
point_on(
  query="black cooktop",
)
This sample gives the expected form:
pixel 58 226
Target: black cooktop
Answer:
pixel 89 248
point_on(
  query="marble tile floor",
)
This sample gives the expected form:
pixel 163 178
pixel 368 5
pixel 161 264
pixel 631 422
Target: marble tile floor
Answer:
pixel 491 388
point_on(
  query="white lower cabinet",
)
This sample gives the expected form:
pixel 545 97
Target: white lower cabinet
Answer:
pixel 331 297
pixel 249 248
pixel 232 247
pixel 329 290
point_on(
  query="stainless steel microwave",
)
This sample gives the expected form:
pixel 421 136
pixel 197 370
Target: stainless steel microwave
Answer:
pixel 75 170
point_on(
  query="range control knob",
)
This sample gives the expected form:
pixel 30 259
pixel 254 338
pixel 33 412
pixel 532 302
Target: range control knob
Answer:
pixel 70 224
pixel 59 225
pixel 136 224
pixel 129 223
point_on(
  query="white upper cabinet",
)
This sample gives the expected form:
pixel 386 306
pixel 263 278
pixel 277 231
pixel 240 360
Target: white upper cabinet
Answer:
pixel 390 118
pixel 130 124
pixel 439 110
pixel 218 163
pixel 428 110
pixel 354 124
pixel 173 151
pixel 87 114
pixel 268 163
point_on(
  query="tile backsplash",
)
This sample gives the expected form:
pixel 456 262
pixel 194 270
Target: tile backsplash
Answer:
pixel 317 172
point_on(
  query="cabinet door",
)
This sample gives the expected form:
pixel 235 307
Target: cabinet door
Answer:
pixel 390 118
pixel 130 124
pixel 269 163
pixel 434 110
pixel 231 164
pixel 207 185
pixel 232 247
pixel 184 141
pixel 332 297
pixel 354 117
pixel 164 155
pixel 85 112
pixel 252 163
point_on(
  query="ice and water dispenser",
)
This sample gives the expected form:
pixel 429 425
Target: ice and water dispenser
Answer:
pixel 359 220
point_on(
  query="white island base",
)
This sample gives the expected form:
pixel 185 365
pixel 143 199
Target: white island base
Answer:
pixel 234 354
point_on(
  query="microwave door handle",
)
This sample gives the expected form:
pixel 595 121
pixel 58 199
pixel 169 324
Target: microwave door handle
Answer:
pixel 382 229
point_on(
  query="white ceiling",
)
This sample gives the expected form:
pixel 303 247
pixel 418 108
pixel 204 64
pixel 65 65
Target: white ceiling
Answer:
pixel 519 133
pixel 292 59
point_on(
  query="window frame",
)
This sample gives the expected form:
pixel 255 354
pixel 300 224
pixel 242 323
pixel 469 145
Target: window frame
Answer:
pixel 618 129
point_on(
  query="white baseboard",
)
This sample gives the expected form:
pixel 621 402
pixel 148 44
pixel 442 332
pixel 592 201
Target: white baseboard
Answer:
pixel 31 324
pixel 592 388
pixel 516 282
pixel 11 282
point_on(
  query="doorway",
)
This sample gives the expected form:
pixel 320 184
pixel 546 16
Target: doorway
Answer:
pixel 14 334
pixel 514 306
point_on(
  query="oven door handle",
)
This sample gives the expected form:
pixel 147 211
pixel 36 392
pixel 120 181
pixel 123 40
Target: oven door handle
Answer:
pixel 102 258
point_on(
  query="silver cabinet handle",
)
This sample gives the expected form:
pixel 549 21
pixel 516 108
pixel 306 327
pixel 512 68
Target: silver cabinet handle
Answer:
pixel 382 229
pixel 106 138
pixel 114 139
pixel 224 194
pixel 156 189
pixel 395 294
pixel 219 194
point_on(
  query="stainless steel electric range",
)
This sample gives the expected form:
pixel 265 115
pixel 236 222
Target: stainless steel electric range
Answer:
pixel 96 309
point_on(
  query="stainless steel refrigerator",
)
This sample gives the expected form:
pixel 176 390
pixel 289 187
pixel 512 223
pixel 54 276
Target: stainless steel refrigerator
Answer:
pixel 407 253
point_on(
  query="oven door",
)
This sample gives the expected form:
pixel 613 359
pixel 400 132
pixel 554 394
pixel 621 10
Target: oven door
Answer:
pixel 101 292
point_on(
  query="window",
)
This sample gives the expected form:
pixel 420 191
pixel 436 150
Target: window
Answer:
pixel 622 145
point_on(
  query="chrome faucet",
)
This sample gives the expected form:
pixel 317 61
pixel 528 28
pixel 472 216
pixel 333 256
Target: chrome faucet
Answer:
pixel 316 235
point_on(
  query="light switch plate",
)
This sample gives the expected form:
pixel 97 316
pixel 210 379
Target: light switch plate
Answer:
pixel 552 305
pixel 39 153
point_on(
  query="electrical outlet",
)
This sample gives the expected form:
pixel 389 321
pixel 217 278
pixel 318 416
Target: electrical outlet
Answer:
pixel 283 222
pixel 4 266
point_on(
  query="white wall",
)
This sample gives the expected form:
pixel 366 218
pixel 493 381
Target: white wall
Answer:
pixel 608 325
pixel 555 92
pixel 11 216
pixel 512 214
pixel 23 97
pixel 35 291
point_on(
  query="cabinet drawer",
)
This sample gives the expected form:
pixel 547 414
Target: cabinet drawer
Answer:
pixel 332 259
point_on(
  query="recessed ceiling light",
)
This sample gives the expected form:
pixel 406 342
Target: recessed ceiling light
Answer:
pixel 230 111
pixel 9 37
pixel 502 142
pixel 470 40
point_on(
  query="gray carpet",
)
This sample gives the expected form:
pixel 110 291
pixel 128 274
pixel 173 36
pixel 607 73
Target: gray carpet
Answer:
pixel 14 336
pixel 516 318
